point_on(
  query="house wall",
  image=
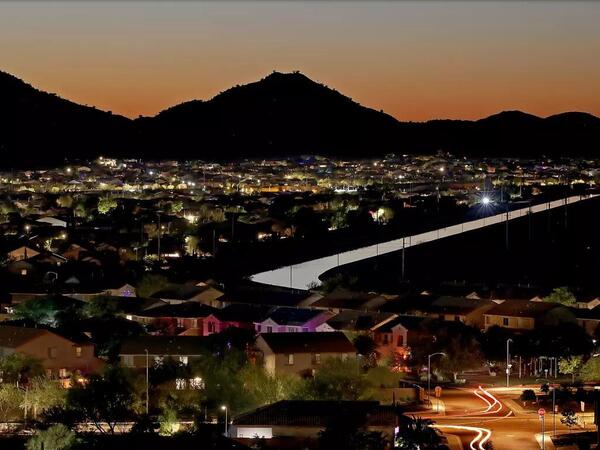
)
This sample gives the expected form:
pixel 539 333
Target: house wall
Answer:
pixel 139 361
pixel 522 323
pixel 241 431
pixel 303 362
pixel 394 342
pixel 56 352
pixel 589 325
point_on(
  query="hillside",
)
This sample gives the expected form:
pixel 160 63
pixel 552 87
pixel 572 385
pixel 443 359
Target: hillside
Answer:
pixel 283 114
pixel 37 127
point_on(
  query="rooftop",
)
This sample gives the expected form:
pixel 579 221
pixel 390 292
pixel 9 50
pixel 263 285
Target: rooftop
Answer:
pixel 333 342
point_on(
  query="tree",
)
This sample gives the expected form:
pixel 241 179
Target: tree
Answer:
pixel 590 371
pixel 65 201
pixel 570 365
pixel 10 400
pixel 528 395
pixel 458 341
pixel 19 369
pixel 151 284
pixel 569 418
pixel 104 399
pixel 106 204
pixel 40 395
pixel 57 437
pixel 337 379
pixel 102 306
pixel 367 348
pixel 561 295
pixel 494 342
pixel 416 433
pixel 176 207
pixel 50 310
pixel 264 388
pixel 169 422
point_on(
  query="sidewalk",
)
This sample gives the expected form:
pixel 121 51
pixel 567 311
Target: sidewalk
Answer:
pixel 548 444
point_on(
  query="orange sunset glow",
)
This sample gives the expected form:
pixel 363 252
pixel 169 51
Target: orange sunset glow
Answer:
pixel 416 61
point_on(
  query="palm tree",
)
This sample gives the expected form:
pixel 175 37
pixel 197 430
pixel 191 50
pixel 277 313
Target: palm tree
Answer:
pixel 416 433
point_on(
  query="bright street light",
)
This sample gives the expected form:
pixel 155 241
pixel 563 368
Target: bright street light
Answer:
pixel 224 408
pixel 486 200
pixel 429 372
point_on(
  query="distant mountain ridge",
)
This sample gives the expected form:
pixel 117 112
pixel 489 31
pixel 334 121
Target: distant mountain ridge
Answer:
pixel 284 114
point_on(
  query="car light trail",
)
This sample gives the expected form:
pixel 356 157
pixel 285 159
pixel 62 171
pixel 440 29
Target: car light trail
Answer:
pixel 482 435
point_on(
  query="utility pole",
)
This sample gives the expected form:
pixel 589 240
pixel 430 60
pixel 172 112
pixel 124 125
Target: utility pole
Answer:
pixel 403 248
pixel 508 341
pixel 506 232
pixel 158 239
pixel 147 381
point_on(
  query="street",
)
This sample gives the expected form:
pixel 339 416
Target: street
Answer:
pixel 478 415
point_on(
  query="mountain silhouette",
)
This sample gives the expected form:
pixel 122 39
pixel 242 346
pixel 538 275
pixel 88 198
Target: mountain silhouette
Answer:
pixel 284 114
pixel 39 128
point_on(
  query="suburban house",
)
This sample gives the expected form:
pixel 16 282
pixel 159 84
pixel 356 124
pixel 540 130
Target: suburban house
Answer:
pixel 126 290
pixel 302 353
pixel 304 419
pixel 22 253
pixel 395 336
pixel 342 299
pixel 521 314
pixel 462 309
pixel 290 320
pixel 202 293
pixel 355 322
pixel 61 357
pixel 173 319
pixel 143 351
pixel 197 319
pixel 588 319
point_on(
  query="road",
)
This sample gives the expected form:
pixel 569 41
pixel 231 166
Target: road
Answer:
pixel 478 415
pixel 304 274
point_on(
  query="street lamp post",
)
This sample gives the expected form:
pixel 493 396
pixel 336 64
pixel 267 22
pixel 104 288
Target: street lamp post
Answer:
pixel 508 341
pixel 224 408
pixel 147 381
pixel 429 372
pixel 543 433
pixel 554 411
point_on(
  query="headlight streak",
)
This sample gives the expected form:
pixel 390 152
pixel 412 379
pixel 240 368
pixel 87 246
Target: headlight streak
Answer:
pixel 482 435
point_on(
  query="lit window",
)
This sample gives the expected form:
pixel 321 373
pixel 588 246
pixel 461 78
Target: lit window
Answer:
pixel 317 358
pixel 78 352
pixel 180 384
pixel 183 360
pixel 290 359
pixel 196 383
pixel 62 373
